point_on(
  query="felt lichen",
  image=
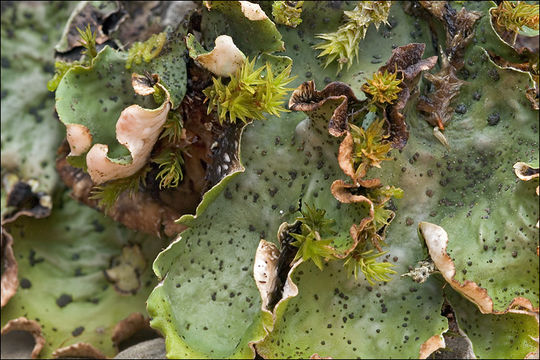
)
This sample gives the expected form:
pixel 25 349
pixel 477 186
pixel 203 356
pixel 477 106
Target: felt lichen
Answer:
pixel 351 225
pixel 249 94
pixel 146 50
pixel 342 45
pixel 287 12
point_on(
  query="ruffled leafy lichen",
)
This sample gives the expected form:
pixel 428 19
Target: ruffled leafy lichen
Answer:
pixel 337 227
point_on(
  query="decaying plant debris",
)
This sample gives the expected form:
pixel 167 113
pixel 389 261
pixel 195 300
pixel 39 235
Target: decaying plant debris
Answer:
pixel 271 179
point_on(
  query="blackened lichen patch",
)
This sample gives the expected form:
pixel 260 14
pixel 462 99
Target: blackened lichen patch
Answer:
pixel 64 300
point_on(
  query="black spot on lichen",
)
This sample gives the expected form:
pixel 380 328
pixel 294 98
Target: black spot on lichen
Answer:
pixel 64 300
pixel 5 62
pixel 97 226
pixel 32 258
pixel 493 119
pixel 494 75
pixel 78 331
pixel 461 109
pixel 25 283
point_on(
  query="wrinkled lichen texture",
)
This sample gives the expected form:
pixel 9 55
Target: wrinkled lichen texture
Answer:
pixel 286 159
pixel 474 195
pixel 62 281
pixel 497 235
pixel 30 131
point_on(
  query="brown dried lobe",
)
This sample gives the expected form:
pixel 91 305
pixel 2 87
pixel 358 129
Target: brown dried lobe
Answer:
pixel 10 282
pixel 141 212
pixel 306 98
pixel 409 63
pixel 79 350
pixel 31 326
pixel 459 28
pixel 437 104
pixel 25 203
pixel 129 326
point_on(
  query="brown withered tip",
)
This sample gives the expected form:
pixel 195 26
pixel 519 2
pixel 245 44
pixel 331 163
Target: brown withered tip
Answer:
pixel 79 350
pixel 343 192
pixel 31 326
pixel 317 356
pixel 436 239
pixel 459 27
pixel 437 105
pixel 431 345
pixel 307 98
pixel 129 326
pixel 10 282
pixel 406 60
pixel 345 160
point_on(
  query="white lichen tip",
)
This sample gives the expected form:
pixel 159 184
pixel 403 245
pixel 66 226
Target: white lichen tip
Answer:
pixel 253 11
pixel 138 130
pixel 225 59
pixel 79 139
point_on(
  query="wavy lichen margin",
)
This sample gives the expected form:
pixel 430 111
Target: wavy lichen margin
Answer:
pixel 436 239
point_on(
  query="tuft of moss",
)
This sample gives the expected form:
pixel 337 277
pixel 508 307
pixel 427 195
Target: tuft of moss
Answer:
pixel 249 93
pixel 287 12
pixel 342 45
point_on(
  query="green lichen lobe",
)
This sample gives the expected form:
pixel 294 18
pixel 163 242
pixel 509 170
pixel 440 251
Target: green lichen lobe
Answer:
pixel 146 50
